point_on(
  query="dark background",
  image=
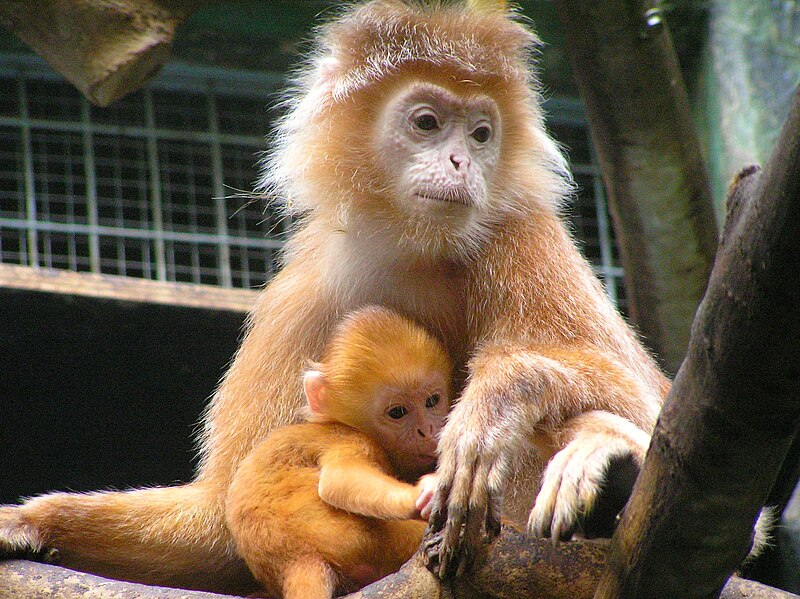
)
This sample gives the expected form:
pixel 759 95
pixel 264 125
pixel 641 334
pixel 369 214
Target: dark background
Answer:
pixel 100 394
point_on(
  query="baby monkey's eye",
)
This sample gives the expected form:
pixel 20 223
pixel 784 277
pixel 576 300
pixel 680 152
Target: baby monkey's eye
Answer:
pixel 432 400
pixel 482 134
pixel 426 122
pixel 397 412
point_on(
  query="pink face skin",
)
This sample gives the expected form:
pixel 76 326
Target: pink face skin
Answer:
pixel 441 147
pixel 406 422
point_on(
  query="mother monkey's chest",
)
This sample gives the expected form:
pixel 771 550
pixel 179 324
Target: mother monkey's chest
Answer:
pixel 439 296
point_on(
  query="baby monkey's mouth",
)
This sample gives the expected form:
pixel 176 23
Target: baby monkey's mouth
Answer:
pixel 428 458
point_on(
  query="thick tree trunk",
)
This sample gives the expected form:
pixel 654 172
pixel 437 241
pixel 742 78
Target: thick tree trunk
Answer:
pixel 659 195
pixel 734 408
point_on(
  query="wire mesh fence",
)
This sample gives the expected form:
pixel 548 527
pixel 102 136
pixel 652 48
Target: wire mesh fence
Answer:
pixel 155 186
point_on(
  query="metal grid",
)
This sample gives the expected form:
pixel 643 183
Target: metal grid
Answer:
pixel 588 213
pixel 151 187
pixel 146 188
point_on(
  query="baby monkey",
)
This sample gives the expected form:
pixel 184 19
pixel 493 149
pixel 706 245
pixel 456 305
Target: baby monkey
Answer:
pixel 330 505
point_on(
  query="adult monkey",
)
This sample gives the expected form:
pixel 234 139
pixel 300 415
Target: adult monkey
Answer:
pixel 414 149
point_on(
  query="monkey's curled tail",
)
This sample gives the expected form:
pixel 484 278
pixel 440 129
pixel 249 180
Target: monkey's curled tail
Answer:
pixel 169 536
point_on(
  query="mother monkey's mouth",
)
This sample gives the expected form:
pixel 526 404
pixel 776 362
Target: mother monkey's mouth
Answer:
pixel 462 199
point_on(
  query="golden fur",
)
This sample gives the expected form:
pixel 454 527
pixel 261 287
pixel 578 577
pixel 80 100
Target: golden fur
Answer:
pixel 318 507
pixel 371 348
pixel 288 534
pixel 536 344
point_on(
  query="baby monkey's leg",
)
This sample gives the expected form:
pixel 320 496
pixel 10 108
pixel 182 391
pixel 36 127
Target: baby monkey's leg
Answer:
pixel 309 577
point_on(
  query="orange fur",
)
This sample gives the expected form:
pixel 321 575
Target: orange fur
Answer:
pixel 536 343
pixel 317 507
pixel 321 494
pixel 403 355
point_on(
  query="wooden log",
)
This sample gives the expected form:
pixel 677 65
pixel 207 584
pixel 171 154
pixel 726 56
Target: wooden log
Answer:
pixel 49 280
pixel 514 566
pixel 31 580
pixel 510 567
pixel 104 48
pixel 734 409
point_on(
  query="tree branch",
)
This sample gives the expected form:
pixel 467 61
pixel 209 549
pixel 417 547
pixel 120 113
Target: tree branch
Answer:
pixel 514 566
pixel 734 408
pixel 510 567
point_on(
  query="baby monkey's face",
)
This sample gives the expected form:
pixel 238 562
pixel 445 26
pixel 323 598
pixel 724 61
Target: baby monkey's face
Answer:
pixel 406 421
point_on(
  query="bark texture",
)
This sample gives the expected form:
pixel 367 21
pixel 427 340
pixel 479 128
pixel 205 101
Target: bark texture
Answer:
pixel 30 580
pixel 509 568
pixel 105 48
pixel 734 408
pixel 659 194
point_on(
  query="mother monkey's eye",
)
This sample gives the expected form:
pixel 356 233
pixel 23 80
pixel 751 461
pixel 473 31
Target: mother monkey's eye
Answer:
pixel 426 121
pixel 482 134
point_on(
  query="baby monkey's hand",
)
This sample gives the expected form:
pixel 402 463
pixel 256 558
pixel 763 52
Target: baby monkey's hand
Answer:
pixel 426 487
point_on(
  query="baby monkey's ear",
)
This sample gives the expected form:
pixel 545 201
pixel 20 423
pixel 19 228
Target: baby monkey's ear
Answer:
pixel 314 387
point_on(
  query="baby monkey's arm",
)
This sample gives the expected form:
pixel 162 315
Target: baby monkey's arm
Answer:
pixel 351 481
